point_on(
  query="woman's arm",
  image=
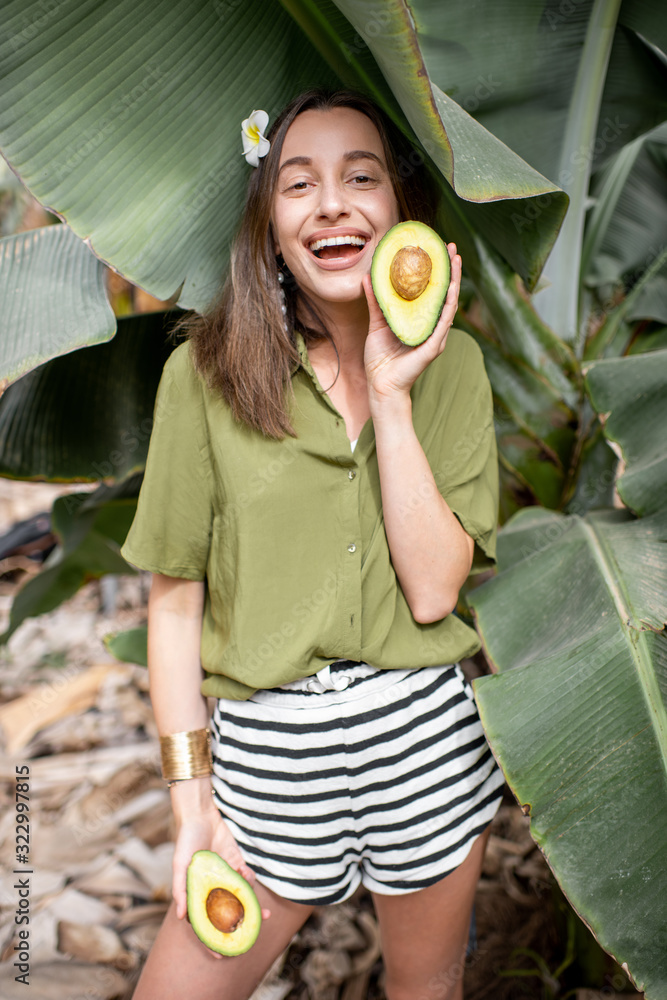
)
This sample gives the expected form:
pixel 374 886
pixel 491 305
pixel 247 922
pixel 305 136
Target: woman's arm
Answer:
pixel 430 551
pixel 175 609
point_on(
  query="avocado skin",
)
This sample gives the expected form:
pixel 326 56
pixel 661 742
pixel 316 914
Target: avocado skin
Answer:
pixel 412 321
pixel 208 871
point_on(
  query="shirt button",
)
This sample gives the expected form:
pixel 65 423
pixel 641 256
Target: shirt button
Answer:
pixel 351 473
pixel 352 547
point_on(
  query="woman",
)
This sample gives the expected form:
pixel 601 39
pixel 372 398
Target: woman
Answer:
pixel 315 496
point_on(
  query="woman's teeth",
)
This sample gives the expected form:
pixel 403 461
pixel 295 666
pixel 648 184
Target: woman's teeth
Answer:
pixel 336 241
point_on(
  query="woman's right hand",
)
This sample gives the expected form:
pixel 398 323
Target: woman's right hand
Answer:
pixel 200 827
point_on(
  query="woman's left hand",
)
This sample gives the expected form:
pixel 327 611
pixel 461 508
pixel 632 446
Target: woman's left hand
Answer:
pixel 392 367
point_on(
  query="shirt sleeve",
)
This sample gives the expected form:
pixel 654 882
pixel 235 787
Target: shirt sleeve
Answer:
pixel 465 458
pixel 171 530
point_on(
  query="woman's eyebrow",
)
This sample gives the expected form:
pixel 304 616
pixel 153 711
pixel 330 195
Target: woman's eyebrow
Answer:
pixel 354 154
pixel 300 161
pixel 364 154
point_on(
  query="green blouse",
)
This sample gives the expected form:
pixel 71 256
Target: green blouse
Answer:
pixel 289 534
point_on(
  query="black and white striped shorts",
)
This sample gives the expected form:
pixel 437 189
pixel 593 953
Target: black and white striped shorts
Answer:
pixel 353 775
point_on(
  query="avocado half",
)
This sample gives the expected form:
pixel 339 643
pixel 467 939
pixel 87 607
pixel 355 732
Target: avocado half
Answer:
pixel 223 909
pixel 410 273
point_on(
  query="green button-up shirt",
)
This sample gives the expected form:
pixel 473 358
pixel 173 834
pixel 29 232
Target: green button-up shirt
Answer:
pixel 289 535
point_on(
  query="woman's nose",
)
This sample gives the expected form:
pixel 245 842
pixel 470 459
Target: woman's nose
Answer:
pixel 333 202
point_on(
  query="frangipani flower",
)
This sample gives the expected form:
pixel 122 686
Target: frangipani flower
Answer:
pixel 255 145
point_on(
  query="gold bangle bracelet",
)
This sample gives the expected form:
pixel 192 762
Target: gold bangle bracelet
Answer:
pixel 186 755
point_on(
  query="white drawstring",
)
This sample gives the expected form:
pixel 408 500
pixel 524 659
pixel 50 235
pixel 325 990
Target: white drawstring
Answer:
pixel 323 681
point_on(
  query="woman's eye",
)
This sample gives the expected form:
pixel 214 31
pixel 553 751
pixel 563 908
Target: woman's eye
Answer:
pixel 299 186
pixel 362 179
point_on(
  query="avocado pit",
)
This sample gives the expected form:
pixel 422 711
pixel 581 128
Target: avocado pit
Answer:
pixel 224 910
pixel 410 272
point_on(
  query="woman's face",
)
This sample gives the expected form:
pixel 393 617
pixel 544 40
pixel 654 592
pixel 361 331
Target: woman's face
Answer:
pixel 333 203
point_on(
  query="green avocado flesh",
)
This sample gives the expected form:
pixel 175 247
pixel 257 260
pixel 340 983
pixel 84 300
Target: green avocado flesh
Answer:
pixel 223 909
pixel 410 293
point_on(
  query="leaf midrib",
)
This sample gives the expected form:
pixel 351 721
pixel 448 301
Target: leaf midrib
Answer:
pixel 634 637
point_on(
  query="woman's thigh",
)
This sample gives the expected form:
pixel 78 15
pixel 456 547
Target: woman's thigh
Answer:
pixel 180 966
pixel 425 933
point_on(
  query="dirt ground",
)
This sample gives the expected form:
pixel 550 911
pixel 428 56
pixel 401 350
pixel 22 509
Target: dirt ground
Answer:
pixel 100 848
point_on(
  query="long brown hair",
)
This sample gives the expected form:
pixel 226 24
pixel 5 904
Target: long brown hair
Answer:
pixel 245 346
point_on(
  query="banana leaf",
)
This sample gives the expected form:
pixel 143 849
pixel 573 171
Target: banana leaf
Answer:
pixel 631 392
pixel 88 415
pixel 575 626
pixel 89 540
pixel 513 67
pixel 112 145
pixel 577 714
pixel 566 86
pixel 53 299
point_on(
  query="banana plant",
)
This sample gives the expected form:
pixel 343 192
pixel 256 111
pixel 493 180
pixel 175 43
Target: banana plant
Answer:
pixel 574 624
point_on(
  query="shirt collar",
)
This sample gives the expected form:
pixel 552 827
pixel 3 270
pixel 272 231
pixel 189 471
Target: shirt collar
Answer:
pixel 304 359
pixel 302 349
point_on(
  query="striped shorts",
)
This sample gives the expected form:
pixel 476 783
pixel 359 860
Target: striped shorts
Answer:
pixel 354 775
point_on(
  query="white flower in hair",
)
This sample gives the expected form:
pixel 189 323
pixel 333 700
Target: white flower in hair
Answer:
pixel 255 144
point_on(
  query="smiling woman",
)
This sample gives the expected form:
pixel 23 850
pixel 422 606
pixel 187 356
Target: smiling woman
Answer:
pixel 315 495
pixel 334 201
pixel 243 347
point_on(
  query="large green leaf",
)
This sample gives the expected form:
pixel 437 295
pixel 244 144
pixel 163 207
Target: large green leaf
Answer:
pixel 612 336
pixel 125 119
pixel 634 186
pixel 90 536
pixel 627 224
pixel 479 167
pixel 513 66
pixel 130 646
pixel 89 415
pixel 566 86
pixel 577 714
pixel 534 428
pixel 96 116
pixel 630 392
pixel 593 479
pixel 522 333
pixel 561 310
pixel 53 298
pixel 535 476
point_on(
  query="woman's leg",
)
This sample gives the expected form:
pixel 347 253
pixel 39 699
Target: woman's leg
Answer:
pixel 180 966
pixel 425 933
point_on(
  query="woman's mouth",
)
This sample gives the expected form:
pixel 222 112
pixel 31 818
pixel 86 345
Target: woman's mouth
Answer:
pixel 337 247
